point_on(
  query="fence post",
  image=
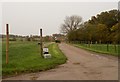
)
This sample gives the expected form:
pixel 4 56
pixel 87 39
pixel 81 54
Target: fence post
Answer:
pixel 96 45
pixel 89 44
pixel 7 42
pixel 100 45
pixel 115 46
pixel 107 46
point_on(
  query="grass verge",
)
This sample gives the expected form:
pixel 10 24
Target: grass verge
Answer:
pixel 101 48
pixel 24 57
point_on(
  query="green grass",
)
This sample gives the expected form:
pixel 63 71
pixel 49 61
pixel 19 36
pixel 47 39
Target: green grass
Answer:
pixel 100 48
pixel 24 57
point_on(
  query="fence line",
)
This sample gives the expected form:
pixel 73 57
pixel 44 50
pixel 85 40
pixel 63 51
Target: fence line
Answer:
pixel 95 46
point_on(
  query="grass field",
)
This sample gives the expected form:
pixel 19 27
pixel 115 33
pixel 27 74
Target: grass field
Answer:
pixel 24 57
pixel 101 48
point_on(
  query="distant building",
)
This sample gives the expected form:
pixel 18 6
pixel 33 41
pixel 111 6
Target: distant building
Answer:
pixel 48 38
pixel 59 37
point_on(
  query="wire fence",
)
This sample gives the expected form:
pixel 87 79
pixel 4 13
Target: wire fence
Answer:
pixel 113 49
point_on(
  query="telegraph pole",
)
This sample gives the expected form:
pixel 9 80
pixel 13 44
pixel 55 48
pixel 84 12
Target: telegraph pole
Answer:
pixel 7 42
pixel 41 44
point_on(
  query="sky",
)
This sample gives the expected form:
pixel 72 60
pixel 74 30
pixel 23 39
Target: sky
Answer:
pixel 26 18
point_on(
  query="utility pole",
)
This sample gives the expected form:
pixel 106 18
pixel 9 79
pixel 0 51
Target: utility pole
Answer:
pixel 41 44
pixel 7 42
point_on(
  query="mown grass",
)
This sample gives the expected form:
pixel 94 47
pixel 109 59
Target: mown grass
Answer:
pixel 101 48
pixel 24 57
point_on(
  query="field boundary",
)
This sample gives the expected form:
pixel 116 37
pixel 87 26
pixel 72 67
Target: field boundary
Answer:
pixel 92 50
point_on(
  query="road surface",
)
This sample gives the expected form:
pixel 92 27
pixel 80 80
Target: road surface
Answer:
pixel 81 65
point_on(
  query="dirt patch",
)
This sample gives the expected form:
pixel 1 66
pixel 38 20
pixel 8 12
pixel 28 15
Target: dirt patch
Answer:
pixel 76 63
pixel 33 78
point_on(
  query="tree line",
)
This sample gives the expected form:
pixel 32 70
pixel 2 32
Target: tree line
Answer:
pixel 102 28
pixel 47 38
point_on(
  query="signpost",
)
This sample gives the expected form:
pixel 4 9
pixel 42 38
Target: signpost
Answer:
pixel 7 42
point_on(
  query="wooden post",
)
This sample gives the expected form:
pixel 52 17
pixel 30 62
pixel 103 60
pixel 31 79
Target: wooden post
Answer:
pixel 41 44
pixel 89 44
pixel 7 42
pixel 96 45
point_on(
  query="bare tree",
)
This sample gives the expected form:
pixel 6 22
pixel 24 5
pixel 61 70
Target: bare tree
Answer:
pixel 71 23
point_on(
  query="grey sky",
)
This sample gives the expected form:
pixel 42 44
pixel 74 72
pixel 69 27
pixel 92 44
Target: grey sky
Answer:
pixel 26 18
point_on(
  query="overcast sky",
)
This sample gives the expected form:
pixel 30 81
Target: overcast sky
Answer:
pixel 26 18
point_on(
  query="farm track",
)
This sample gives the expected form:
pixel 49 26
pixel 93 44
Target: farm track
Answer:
pixel 81 65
